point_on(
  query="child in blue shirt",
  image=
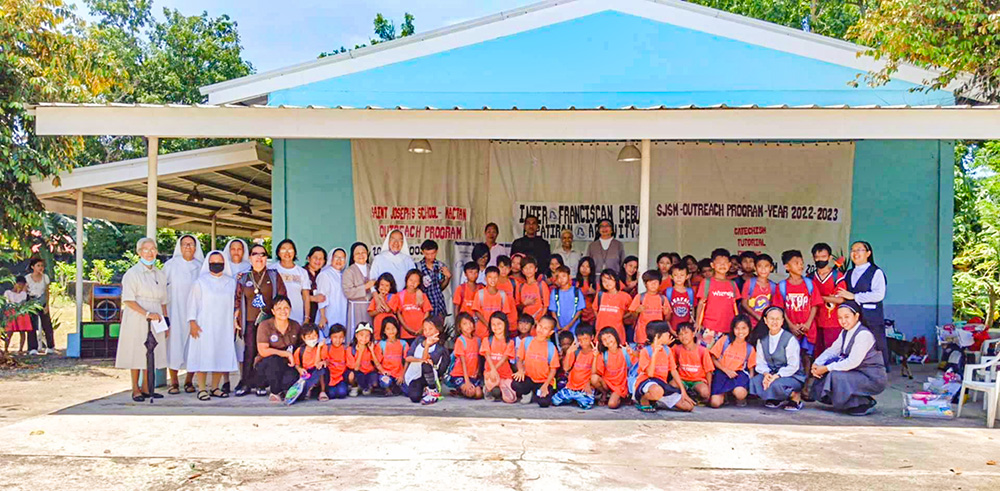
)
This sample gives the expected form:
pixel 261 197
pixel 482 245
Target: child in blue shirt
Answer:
pixel 566 301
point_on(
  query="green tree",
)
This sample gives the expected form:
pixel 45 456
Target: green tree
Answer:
pixel 384 29
pixel 827 17
pixel 977 230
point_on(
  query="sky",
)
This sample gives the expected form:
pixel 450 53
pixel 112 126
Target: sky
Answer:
pixel 276 34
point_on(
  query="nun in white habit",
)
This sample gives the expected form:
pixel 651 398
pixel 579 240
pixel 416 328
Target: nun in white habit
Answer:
pixel 394 259
pixel 210 318
pixel 333 310
pixel 182 271
pixel 237 256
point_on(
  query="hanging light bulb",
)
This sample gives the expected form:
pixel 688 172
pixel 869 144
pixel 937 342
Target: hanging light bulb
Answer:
pixel 194 196
pixel 56 182
pixel 629 153
pixel 245 208
pixel 419 146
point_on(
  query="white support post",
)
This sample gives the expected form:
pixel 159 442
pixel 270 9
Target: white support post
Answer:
pixel 215 220
pixel 153 149
pixel 644 211
pixel 79 259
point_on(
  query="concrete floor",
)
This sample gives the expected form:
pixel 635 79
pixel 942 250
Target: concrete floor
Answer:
pixel 76 429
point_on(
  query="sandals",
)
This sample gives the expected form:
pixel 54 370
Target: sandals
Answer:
pixel 203 395
pixel 139 398
pixel 174 390
pixel 219 393
pixel 645 409
pixel 189 388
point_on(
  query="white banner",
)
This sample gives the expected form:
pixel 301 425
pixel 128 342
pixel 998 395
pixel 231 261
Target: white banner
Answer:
pixel 581 218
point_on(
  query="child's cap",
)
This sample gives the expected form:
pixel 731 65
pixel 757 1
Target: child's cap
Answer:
pixel 364 327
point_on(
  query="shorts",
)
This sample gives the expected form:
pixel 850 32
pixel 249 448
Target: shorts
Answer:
pixel 722 384
pixel 671 395
pixel 457 382
pixel 689 384
pixel 806 346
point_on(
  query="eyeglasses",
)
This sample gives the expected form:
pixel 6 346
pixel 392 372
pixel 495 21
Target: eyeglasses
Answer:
pixel 257 254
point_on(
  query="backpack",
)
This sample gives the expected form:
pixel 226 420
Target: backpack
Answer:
pixel 381 346
pixel 642 300
pixel 481 296
pixel 746 361
pixel 527 344
pixel 576 299
pixel 454 360
pixel 631 369
pixel 736 292
pixel 690 291
pixel 783 286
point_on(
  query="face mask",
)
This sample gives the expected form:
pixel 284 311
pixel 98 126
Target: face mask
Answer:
pixel 216 267
pixel 311 343
pixel 147 263
pixel 822 264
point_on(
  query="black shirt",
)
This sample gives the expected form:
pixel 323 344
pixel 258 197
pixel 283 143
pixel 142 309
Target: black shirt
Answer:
pixel 535 247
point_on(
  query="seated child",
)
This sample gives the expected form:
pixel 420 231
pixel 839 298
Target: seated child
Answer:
pixel 536 365
pixel 310 361
pixel 390 350
pixel 648 306
pixel 492 299
pixel 22 323
pixel 498 353
pixel 611 379
pixel 580 362
pixel 656 367
pixel 465 375
pixel 734 360
pixel 465 294
pixel 336 363
pixel 694 363
pixel 426 364
pixel 363 362
pixel 564 339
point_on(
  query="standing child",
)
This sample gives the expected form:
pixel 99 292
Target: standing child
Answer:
pixel 566 302
pixel 497 354
pixel 748 268
pixel 717 299
pixel 411 306
pixel 555 262
pixel 827 280
pixel 801 301
pixel 426 364
pixel 586 281
pixel 22 323
pixel 391 351
pixel 490 300
pixel 734 360
pixel 760 292
pixel 694 363
pixel 649 306
pixel 656 366
pixel 436 278
pixel 680 297
pixel 465 294
pixel 465 376
pixel 517 266
pixel 580 362
pixel 363 363
pixel 310 361
pixel 611 305
pixel 506 283
pixel 611 379
pixel 628 277
pixel 533 296
pixel 537 363
pixel 663 264
pixel 383 300
pixel 336 363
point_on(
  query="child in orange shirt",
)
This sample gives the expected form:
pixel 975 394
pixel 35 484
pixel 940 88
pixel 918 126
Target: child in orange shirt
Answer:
pixel 336 363
pixel 734 360
pixel 506 283
pixel 537 362
pixel 363 362
pixel 694 363
pixel 611 379
pixel 497 353
pixel 649 306
pixel 310 361
pixel 492 299
pixel 656 367
pixel 580 362
pixel 465 294
pixel 465 375
pixel 391 351
pixel 525 330
pixel 533 296
pixel 611 305
pixel 380 306
pixel 412 306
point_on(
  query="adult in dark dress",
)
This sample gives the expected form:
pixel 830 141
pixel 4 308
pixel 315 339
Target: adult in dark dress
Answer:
pixel 850 371
pixel 866 286
pixel 533 245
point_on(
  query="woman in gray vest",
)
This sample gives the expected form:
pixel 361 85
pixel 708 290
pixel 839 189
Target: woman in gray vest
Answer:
pixel 780 377
pixel 850 371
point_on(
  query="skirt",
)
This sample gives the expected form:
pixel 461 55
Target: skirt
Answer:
pixel 846 390
pixel 779 390
pixel 132 343
pixel 722 384
pixel 20 324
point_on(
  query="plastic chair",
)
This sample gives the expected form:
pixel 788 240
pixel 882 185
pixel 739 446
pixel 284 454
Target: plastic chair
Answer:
pixel 990 385
pixel 984 350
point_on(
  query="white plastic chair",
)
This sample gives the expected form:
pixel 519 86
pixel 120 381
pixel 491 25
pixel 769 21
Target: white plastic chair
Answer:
pixel 985 349
pixel 990 385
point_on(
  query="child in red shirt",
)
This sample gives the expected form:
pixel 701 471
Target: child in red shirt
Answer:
pixel 310 362
pixel 465 294
pixel 465 376
pixel 656 367
pixel 680 297
pixel 611 305
pixel 363 362
pixel 827 280
pixel 336 363
pixel 381 304
pixel 734 359
pixel 717 299
pixel 801 301
pixel 611 380
pixel 537 362
pixel 533 295
pixel 759 292
pixel 694 363
pixel 649 306
pixel 412 306
pixel 490 300
pixel 392 352
pixel 580 363
pixel 497 353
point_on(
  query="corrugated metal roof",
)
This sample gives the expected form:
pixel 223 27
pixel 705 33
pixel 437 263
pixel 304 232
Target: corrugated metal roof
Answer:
pixel 543 108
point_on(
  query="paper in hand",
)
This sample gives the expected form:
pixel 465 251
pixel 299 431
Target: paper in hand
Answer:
pixel 160 326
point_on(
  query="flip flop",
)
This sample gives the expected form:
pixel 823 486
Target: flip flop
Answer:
pixel 219 393
pixel 203 395
pixel 139 398
pixel 645 409
pixel 174 390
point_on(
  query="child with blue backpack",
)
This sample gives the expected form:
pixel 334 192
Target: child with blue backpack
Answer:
pixel 391 352
pixel 734 359
pixel 580 363
pixel 566 301
pixel 617 370
pixel 760 292
pixel 657 366
pixel 679 297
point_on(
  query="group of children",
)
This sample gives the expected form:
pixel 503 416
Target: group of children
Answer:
pixel 584 340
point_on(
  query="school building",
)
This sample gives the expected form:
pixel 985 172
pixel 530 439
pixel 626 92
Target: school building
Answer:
pixel 692 128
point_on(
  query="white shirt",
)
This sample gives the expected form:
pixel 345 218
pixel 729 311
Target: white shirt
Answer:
pixel 863 341
pixel 496 251
pixel 296 279
pixel 791 354
pixel 877 292
pixel 397 265
pixel 37 290
pixel 570 258
pixel 14 297
pixel 330 284
pixel 605 243
pixel 415 370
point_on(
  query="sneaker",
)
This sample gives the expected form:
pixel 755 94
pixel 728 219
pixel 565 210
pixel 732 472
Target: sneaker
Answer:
pixel 355 391
pixel 772 404
pixel 366 392
pixel 526 398
pixel 794 406
pixel 430 397
pixel 33 352
pixel 863 410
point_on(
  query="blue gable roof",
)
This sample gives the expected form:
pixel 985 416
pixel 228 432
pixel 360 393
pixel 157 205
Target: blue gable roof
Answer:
pixel 607 59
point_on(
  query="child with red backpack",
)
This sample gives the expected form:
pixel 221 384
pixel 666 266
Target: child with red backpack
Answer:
pixel 717 299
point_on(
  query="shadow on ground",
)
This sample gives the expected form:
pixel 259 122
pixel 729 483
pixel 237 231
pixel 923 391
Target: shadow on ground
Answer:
pixel 32 367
